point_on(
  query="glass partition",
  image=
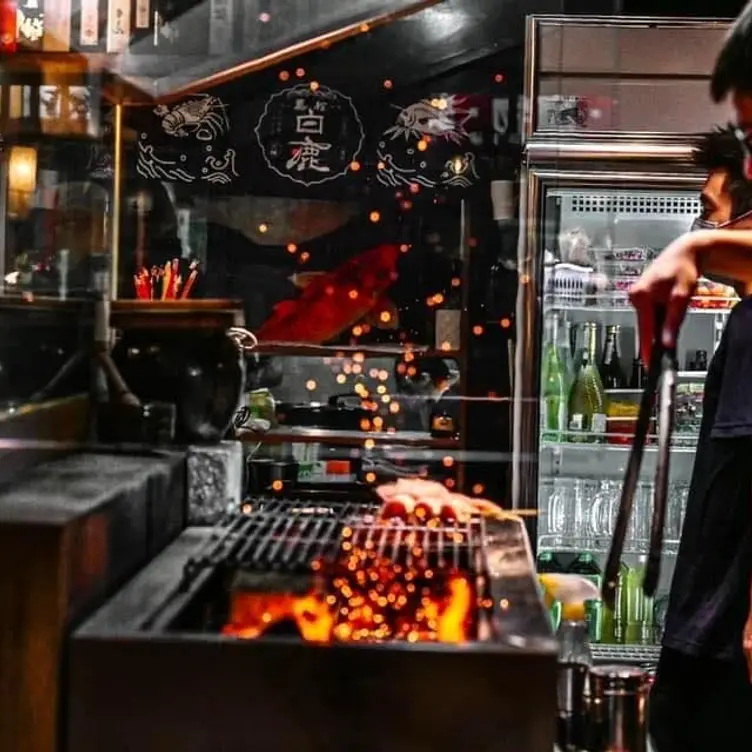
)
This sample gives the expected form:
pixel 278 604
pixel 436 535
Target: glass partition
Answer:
pixel 305 241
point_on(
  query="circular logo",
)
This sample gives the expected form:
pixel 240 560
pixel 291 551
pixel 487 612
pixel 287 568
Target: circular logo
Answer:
pixel 310 135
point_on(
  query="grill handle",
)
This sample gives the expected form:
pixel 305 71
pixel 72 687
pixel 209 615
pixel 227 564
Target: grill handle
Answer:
pixel 626 503
pixel 666 405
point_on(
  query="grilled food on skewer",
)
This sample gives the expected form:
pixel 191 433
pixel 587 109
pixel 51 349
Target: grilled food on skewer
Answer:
pixel 425 499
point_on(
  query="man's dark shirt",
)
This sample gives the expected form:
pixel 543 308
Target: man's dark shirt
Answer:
pixel 710 591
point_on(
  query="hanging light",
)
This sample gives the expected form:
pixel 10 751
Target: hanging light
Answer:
pixel 22 178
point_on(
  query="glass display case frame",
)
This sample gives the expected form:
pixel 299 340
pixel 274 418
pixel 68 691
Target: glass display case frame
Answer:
pixel 126 83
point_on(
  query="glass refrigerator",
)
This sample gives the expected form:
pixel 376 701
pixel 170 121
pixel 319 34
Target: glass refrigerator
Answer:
pixel 597 208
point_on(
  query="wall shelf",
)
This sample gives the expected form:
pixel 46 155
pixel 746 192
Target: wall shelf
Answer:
pixel 292 434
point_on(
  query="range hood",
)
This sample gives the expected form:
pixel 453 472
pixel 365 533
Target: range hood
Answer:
pixel 288 29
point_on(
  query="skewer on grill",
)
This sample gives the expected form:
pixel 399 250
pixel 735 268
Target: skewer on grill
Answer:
pixel 423 499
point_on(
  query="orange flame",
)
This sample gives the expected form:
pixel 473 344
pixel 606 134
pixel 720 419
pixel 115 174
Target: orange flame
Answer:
pixel 364 604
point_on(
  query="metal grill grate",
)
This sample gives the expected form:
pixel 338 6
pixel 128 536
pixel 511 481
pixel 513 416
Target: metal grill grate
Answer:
pixel 457 546
pixel 289 536
pixel 646 204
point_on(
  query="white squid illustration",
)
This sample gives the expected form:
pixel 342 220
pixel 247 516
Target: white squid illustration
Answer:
pixel 440 117
pixel 204 116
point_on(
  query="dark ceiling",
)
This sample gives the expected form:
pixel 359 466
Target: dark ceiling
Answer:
pixel 706 9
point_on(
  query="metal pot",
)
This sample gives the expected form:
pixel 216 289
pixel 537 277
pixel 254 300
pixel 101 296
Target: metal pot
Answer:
pixel 268 474
pixel 202 372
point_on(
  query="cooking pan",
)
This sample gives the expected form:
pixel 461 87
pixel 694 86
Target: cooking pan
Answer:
pixel 343 412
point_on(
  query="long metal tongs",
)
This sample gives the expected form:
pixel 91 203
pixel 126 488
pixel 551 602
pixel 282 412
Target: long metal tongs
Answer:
pixel 661 380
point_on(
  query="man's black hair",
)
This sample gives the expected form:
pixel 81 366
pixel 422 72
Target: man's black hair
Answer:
pixel 720 150
pixel 733 66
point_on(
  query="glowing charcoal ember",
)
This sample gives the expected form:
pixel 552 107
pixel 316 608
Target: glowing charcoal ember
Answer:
pixel 390 581
pixel 394 603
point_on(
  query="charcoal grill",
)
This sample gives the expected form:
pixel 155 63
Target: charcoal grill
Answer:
pixel 152 670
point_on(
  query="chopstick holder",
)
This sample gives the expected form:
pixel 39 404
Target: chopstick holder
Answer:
pixel 661 374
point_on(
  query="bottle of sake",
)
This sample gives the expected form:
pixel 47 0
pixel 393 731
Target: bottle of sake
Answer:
pixel 587 400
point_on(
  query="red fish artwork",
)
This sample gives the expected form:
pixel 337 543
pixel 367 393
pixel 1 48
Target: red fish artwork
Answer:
pixel 331 302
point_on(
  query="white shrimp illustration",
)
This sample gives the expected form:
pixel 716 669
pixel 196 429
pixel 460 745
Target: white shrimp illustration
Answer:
pixel 204 116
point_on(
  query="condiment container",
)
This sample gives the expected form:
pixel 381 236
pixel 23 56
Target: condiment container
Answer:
pixel 618 709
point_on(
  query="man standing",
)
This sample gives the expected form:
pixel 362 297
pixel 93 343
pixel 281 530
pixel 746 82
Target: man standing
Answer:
pixel 702 696
pixel 671 279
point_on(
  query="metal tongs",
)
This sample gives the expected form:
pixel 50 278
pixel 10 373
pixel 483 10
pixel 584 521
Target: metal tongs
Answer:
pixel 661 380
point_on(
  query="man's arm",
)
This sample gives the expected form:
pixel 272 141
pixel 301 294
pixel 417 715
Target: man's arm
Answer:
pixel 726 253
pixel 670 281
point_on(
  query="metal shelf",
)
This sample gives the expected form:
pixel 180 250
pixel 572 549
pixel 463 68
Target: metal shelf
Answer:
pixel 551 306
pixel 303 435
pixel 634 654
pixel 565 446
pixel 344 351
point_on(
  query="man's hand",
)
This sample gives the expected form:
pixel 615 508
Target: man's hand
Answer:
pixel 747 644
pixel 669 282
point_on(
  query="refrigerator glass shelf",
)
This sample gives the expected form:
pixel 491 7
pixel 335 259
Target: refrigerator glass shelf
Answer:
pixel 598 544
pixel 624 308
pixel 682 443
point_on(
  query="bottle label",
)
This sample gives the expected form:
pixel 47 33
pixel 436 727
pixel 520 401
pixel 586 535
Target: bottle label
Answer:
pixel 142 15
pixel 576 422
pixel 448 327
pixel 220 26
pixel 598 423
pixel 119 25
pixel 89 31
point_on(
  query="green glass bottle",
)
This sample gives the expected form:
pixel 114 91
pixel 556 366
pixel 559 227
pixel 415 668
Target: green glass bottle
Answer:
pixel 548 563
pixel 554 387
pixel 587 400
pixel 564 344
pixel 585 564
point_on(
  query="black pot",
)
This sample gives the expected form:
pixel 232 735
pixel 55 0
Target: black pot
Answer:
pixel 266 474
pixel 201 371
pixel 343 412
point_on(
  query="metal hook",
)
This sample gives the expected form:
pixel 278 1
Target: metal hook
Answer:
pixel 244 339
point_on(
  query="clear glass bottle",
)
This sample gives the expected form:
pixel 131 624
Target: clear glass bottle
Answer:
pixel 587 400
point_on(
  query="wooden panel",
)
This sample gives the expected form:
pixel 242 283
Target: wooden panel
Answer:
pixel 32 611
pixel 70 533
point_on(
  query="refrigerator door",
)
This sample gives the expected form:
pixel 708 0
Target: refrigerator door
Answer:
pixel 621 75
pixel 578 397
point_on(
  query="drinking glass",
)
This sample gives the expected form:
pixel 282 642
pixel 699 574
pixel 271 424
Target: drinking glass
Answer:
pixel 558 508
pixel 584 492
pixel 677 500
pixel 604 508
pixel 639 526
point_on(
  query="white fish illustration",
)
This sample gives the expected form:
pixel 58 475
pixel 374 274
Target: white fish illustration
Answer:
pixel 438 117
